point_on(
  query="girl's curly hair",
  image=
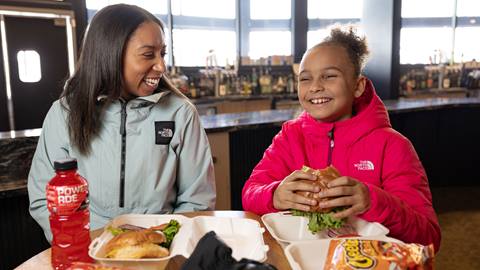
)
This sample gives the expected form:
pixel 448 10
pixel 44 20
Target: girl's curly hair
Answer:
pixel 355 45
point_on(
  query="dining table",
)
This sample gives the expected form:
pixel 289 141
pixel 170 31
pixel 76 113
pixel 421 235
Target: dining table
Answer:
pixel 275 253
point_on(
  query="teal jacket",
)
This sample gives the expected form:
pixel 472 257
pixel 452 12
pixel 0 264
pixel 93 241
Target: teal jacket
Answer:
pixel 167 160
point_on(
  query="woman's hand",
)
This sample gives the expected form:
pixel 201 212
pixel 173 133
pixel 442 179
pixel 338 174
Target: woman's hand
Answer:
pixel 285 197
pixel 347 192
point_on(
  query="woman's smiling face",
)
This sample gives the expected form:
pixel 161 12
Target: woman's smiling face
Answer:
pixel 327 85
pixel 143 61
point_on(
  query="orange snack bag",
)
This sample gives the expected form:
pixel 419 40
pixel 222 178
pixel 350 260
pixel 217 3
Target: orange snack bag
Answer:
pixel 379 255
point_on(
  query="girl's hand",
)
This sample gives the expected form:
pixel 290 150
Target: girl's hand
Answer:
pixel 285 197
pixel 347 192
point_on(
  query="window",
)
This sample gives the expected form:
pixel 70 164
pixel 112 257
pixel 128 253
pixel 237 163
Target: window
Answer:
pixel 325 9
pixel 427 8
pixel 203 28
pixel 427 31
pixel 270 9
pixel 206 8
pixel 191 47
pixel 465 47
pixel 422 45
pixel 29 69
pixel 267 29
pixel 155 6
pixel 322 14
pixel 468 8
pixel 315 37
pixel 266 43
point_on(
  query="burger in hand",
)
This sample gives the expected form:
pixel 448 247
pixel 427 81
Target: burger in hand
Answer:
pixel 320 218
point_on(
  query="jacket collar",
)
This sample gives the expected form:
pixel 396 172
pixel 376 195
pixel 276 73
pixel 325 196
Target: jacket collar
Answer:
pixel 154 98
pixel 370 115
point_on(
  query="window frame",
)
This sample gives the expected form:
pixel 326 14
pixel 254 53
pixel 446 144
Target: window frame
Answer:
pixel 452 22
pixel 242 25
pixel 247 25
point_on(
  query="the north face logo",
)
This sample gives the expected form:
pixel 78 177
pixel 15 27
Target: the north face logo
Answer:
pixel 364 165
pixel 165 132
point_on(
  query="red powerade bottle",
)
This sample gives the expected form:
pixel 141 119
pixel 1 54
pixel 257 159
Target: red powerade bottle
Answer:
pixel 67 201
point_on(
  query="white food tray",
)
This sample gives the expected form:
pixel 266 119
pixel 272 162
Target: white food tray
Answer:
pixel 244 236
pixel 286 228
pixel 311 255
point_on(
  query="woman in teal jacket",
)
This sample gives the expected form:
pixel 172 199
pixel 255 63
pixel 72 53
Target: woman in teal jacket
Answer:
pixel 138 141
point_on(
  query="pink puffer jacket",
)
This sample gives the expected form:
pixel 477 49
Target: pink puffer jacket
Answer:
pixel 364 147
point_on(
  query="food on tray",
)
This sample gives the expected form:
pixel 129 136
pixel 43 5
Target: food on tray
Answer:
pixel 320 218
pixel 377 255
pixel 133 242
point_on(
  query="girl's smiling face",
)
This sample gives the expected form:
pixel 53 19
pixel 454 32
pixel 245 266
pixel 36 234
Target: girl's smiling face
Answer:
pixel 143 61
pixel 327 85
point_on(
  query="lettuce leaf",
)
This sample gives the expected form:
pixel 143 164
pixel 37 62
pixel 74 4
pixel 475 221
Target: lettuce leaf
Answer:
pixel 321 221
pixel 170 231
pixel 115 231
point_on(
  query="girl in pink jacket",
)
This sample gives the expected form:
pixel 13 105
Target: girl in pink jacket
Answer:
pixel 345 124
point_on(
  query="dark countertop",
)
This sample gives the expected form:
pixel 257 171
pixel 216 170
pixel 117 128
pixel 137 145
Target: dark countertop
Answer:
pixel 17 148
pixel 413 104
pixel 234 121
pixel 207 100
pixel 13 188
pixel 15 159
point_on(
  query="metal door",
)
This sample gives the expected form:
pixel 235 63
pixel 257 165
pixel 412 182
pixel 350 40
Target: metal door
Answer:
pixel 46 36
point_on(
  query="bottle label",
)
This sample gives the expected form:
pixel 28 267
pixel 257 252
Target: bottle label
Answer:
pixel 66 200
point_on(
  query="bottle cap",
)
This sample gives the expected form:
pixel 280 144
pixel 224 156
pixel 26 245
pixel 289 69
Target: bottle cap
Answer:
pixel 65 164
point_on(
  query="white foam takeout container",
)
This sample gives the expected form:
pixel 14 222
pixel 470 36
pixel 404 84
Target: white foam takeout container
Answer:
pixel 311 255
pixel 244 236
pixel 286 228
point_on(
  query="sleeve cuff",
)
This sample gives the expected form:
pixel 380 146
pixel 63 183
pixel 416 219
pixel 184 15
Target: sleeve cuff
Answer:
pixel 271 188
pixel 373 213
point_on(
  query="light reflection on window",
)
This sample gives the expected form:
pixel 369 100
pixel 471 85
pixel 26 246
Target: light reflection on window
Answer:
pixel 270 9
pixel 29 69
pixel 266 43
pixel 418 44
pixel 326 9
pixel 206 8
pixel 191 47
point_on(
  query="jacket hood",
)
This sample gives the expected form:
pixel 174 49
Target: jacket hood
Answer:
pixel 369 114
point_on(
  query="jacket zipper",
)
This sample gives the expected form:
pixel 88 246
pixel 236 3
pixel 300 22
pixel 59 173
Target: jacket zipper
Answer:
pixel 122 161
pixel 330 148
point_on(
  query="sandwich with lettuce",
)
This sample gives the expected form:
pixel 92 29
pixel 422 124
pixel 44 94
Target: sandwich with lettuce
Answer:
pixel 321 218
